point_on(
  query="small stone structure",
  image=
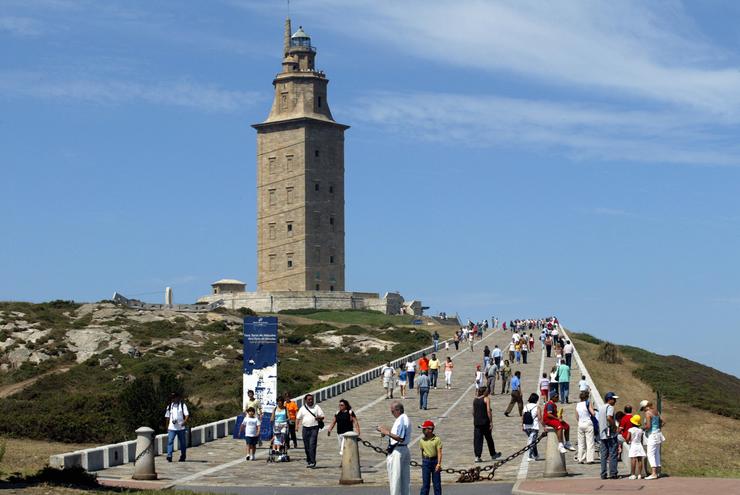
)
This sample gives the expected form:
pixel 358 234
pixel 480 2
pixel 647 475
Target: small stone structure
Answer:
pixel 392 303
pixel 228 286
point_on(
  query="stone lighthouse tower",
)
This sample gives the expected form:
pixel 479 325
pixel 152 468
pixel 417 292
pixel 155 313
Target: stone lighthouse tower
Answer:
pixel 300 179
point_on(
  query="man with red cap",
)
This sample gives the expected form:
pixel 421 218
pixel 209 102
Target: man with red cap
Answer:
pixel 431 459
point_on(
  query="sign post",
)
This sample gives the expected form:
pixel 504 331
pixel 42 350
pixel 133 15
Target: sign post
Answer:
pixel 260 366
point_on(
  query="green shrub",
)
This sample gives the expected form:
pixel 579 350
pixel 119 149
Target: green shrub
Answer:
pixel 609 353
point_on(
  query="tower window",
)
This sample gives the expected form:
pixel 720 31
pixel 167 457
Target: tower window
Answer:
pixel 318 287
pixel 273 166
pixel 272 259
pixel 331 259
pixel 331 288
pixel 273 197
pixel 319 101
pixel 331 223
pixel 331 189
pixel 271 231
pixel 289 162
pixel 289 193
pixel 290 229
pixel 317 254
pixel 284 101
pixel 290 260
pixel 316 153
pixel 316 186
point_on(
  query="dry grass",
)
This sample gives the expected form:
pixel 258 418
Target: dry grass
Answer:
pixel 28 456
pixel 699 443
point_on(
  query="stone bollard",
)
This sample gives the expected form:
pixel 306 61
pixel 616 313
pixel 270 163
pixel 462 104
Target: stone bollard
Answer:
pixel 144 463
pixel 351 474
pixel 554 460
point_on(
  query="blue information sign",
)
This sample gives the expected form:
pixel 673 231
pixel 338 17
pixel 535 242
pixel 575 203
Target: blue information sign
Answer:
pixel 260 366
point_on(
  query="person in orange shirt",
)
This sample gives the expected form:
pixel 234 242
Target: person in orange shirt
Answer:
pixel 424 363
pixel 292 408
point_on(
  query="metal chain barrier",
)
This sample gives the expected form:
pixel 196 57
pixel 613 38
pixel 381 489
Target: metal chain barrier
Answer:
pixel 473 474
pixel 143 452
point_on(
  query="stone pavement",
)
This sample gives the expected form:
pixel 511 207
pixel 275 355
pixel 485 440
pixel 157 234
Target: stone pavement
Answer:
pixel 668 484
pixel 221 463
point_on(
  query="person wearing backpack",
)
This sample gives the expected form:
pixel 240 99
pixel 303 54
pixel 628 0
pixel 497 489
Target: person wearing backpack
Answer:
pixel 311 417
pixel 177 415
pixel 531 425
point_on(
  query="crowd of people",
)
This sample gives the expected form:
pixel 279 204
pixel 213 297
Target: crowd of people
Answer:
pixel 603 431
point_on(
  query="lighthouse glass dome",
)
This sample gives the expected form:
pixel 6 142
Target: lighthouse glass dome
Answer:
pixel 300 38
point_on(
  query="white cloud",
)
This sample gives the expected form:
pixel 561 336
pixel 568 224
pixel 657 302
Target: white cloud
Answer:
pixel 647 50
pixel 188 94
pixel 579 130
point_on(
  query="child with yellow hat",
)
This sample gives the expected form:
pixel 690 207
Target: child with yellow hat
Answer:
pixel 637 451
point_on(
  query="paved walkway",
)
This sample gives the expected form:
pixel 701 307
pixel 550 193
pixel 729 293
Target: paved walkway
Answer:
pixel 662 486
pixel 221 463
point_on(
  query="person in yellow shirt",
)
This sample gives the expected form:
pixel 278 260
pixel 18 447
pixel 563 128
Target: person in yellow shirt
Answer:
pixel 433 371
pixel 431 459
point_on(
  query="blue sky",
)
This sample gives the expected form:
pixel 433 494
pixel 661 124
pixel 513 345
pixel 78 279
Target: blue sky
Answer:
pixel 510 158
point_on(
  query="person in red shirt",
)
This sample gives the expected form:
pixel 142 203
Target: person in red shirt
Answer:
pixel 624 427
pixel 562 429
pixel 424 363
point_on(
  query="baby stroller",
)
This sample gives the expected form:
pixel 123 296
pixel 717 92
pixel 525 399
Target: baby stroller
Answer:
pixel 278 449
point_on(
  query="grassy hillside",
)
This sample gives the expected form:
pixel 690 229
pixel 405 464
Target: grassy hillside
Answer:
pixel 699 442
pixel 100 399
pixel 682 380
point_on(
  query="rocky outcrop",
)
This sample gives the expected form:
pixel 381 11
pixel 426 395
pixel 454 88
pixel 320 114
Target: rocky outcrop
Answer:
pixel 86 343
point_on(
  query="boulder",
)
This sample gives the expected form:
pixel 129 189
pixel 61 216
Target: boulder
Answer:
pixel 37 357
pixel 215 362
pixel 18 356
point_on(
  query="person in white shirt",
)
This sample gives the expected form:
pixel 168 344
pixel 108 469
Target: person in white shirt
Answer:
pixel 399 458
pixel 388 372
pixel 410 372
pixel 531 424
pixel 496 354
pixel 583 385
pixel 177 415
pixel 568 352
pixel 311 417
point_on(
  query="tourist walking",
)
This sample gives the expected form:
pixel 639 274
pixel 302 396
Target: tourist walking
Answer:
pixel 478 377
pixel 177 416
pixel 525 350
pixel 608 430
pixel 387 372
pixel 505 377
pixel 292 408
pixel 402 380
pixel 435 341
pixel 483 425
pixel 564 382
pixel 456 340
pixel 516 394
pixel 398 462
pixel 422 384
pixel 655 439
pixel 544 387
pixel 433 371
pixel 491 373
pixel 411 372
pixel 548 345
pixel 496 354
pixel 251 428
pixel 584 415
pixel 531 425
pixel 448 372
pixel 252 401
pixel 431 459
pixel 568 352
pixel 345 420
pixel 311 418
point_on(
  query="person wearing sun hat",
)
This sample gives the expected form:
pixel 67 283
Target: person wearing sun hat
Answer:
pixel 608 430
pixel 431 459
pixel 636 451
